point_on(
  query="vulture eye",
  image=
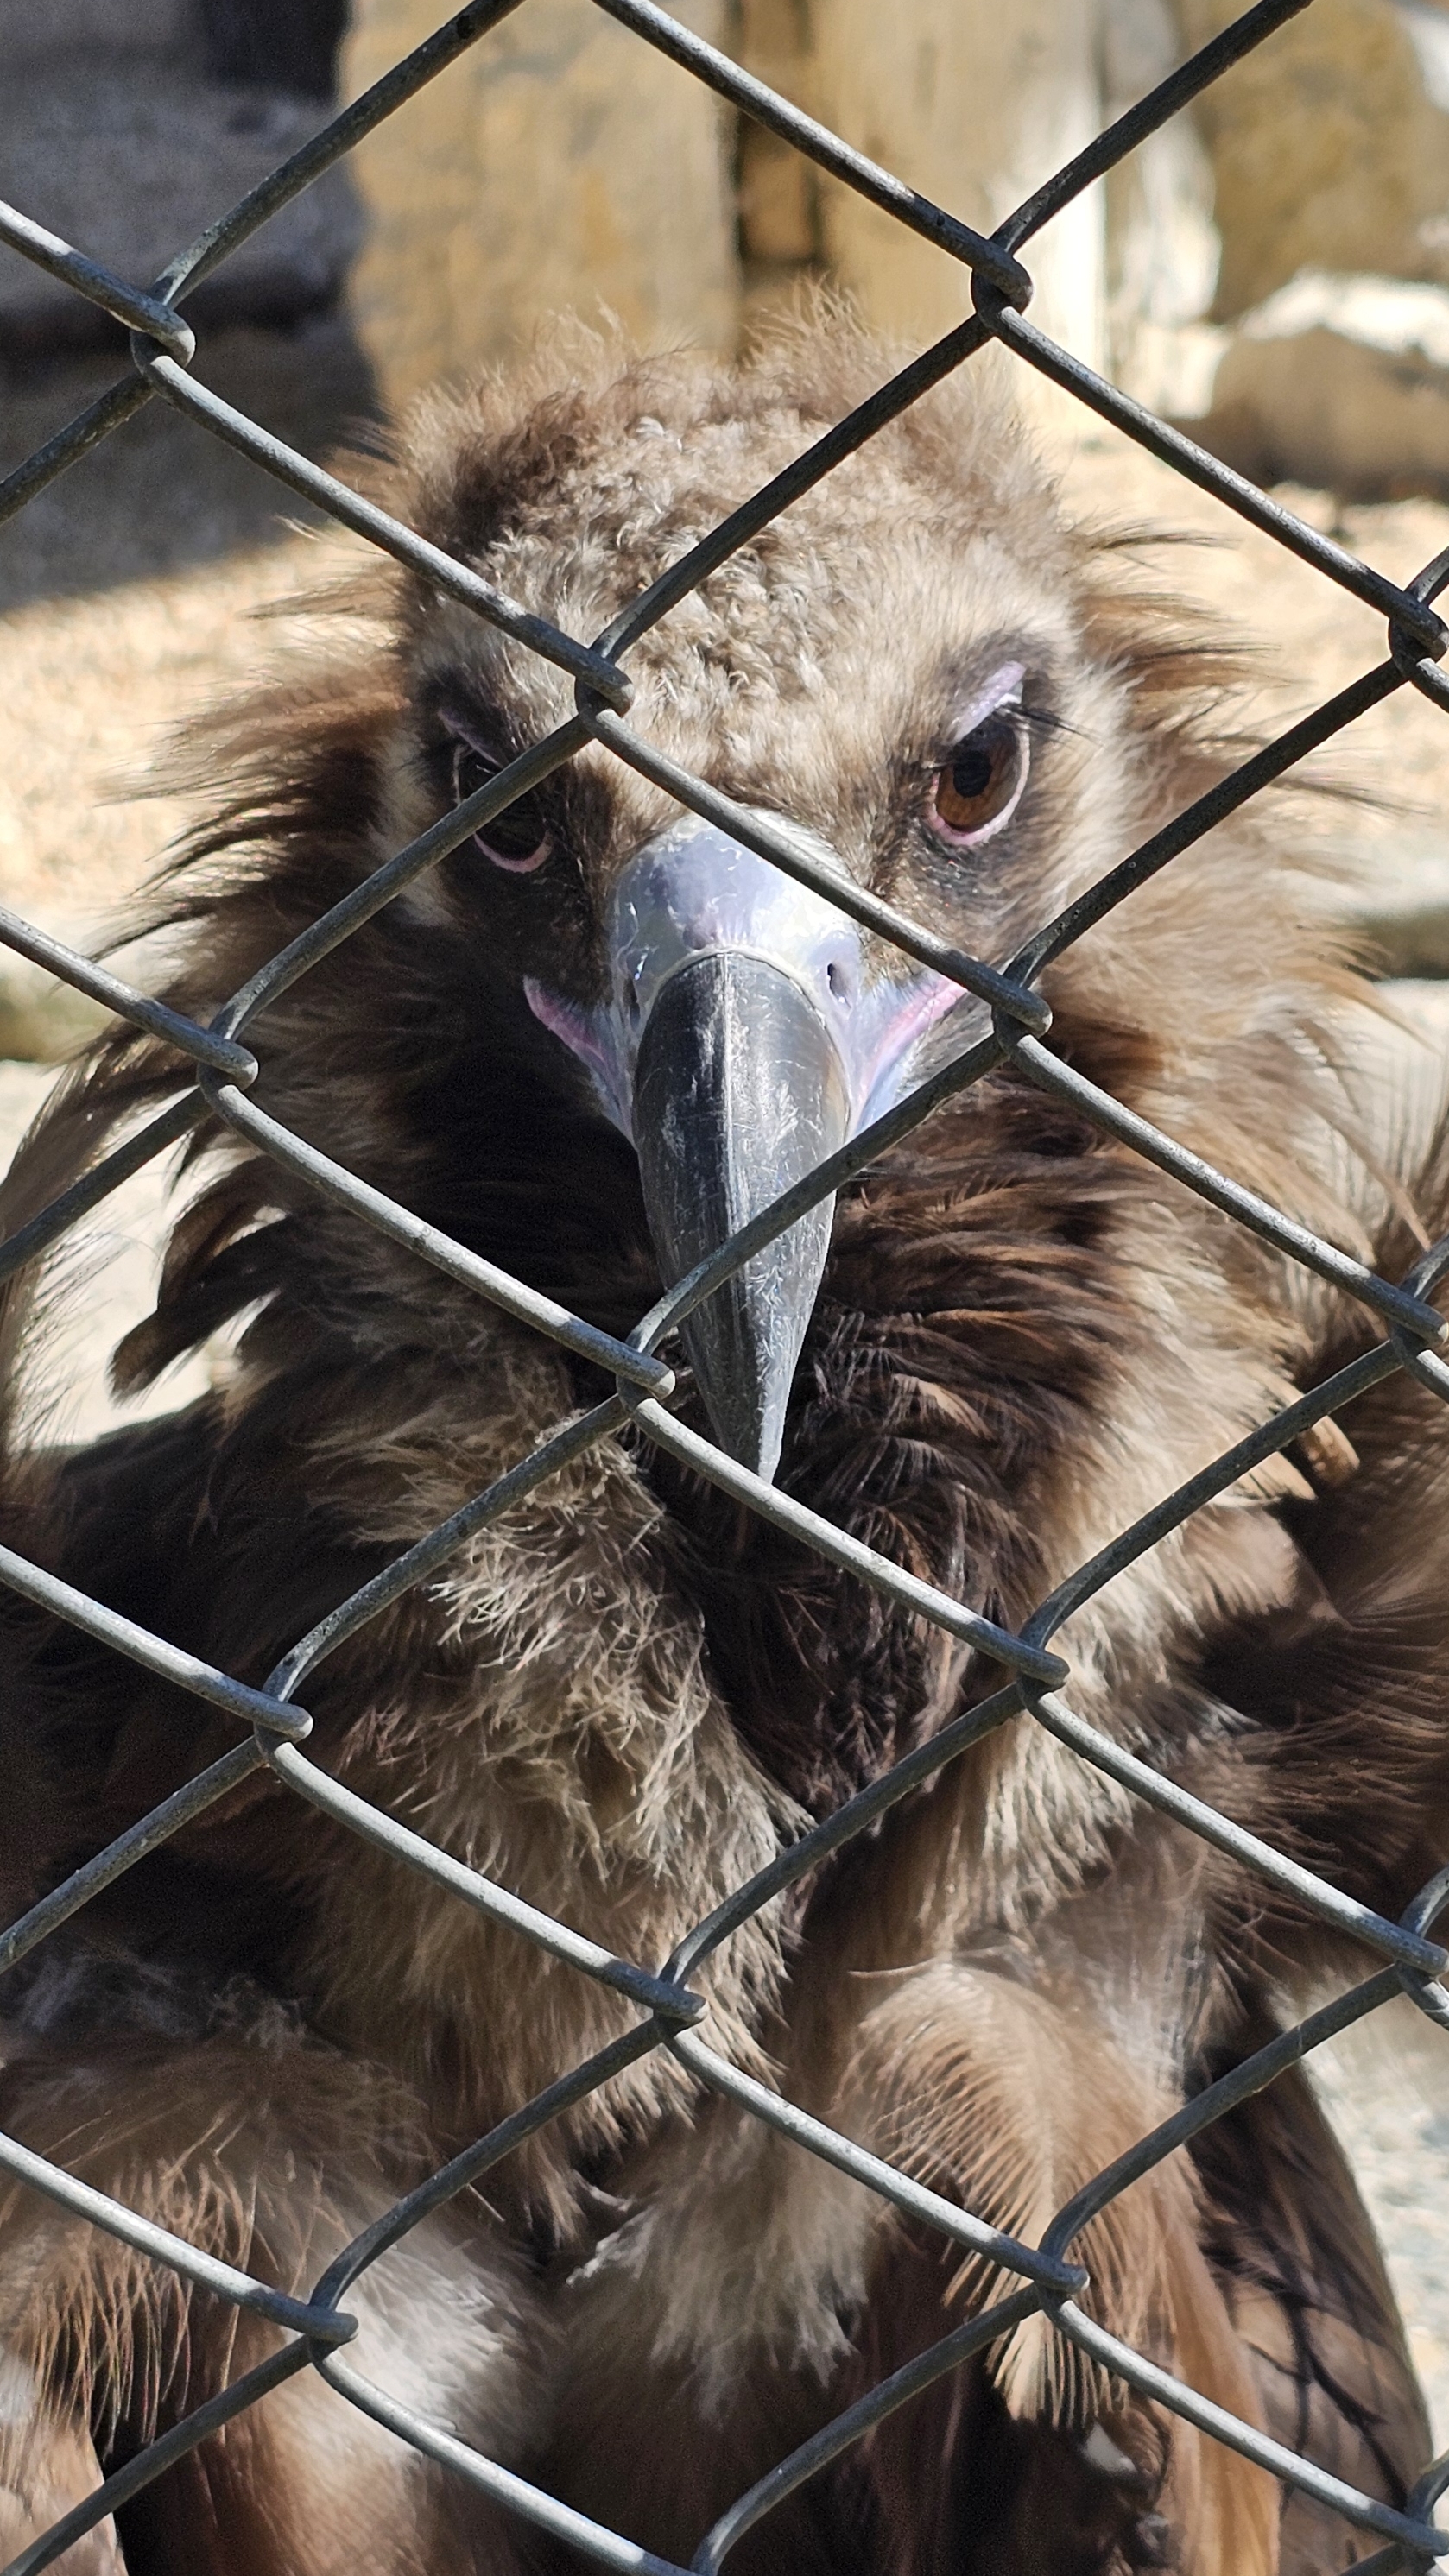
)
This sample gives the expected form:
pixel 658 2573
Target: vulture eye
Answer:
pixel 978 788
pixel 517 839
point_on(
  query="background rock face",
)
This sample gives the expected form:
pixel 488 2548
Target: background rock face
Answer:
pixel 563 165
pixel 974 106
pixel 1342 381
pixel 126 128
pixel 1330 145
pixel 1162 248
pixel 569 167
pixel 566 165
pixel 1329 156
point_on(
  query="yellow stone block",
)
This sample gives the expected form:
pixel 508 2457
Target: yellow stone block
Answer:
pixel 1330 145
pixel 562 165
pixel 974 103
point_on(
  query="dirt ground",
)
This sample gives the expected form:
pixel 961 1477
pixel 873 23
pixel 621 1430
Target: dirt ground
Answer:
pixel 126 615
pixel 128 598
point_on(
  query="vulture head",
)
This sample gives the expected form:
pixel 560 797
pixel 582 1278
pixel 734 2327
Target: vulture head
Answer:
pixel 895 674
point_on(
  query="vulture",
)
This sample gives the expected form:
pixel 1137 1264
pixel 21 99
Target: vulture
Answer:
pixel 590 1041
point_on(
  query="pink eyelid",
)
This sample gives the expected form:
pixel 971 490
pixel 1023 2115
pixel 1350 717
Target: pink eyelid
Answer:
pixel 517 867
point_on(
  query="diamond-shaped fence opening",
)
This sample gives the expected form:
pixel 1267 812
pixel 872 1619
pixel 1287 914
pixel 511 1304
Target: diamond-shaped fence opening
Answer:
pixel 1401 1957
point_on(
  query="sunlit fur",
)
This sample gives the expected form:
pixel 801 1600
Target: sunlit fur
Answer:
pixel 623 1695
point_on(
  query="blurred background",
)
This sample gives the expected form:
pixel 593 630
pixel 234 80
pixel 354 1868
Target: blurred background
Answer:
pixel 1272 271
pixel 1274 265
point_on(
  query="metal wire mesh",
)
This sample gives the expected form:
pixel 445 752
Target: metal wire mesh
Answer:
pixel 1407 1960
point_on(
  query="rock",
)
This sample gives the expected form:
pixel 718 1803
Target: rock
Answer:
pixel 29 35
pixel 1400 905
pixel 1162 241
pixel 1329 144
pixel 540 199
pixel 128 154
pixel 780 235
pixel 975 105
pixel 274 44
pixel 1341 382
pixel 562 164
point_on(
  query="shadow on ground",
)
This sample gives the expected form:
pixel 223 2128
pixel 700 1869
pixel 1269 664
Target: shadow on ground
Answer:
pixel 161 493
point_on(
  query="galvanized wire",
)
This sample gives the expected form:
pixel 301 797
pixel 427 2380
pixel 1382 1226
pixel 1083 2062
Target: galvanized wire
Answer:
pixel 214 1070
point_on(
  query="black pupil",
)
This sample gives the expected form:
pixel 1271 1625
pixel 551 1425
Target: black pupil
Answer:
pixel 976 761
pixel 517 831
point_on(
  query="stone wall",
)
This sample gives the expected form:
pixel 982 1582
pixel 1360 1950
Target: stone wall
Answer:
pixel 565 164
pixel 974 105
pixel 561 165
pixel 1330 145
pixel 1162 246
pixel 1330 163
pixel 126 126
pixel 1274 265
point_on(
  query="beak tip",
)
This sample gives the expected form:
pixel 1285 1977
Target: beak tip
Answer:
pixel 744 1343
pixel 761 1452
pixel 745 1405
pixel 730 1045
pixel 765 1464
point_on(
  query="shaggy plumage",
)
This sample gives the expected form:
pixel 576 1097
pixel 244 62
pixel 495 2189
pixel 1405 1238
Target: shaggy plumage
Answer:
pixel 624 1695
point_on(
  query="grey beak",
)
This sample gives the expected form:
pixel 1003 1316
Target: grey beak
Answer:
pixel 740 1042
pixel 739 1091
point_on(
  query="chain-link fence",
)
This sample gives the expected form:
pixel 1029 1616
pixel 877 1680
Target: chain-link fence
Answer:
pixel 1407 1960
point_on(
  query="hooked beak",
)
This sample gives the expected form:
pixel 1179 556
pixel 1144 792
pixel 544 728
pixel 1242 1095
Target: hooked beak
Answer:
pixel 740 1045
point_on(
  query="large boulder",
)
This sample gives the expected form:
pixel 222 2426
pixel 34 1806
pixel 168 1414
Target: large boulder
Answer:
pixel 1341 382
pixel 561 164
pixel 1329 144
pixel 1397 903
pixel 781 239
pixel 1162 241
pixel 129 154
pixel 127 126
pixel 975 105
pixel 569 166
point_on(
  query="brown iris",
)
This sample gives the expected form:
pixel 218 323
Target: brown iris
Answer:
pixel 978 786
